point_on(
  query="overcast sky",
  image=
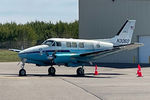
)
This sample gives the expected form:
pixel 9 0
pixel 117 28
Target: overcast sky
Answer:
pixel 22 11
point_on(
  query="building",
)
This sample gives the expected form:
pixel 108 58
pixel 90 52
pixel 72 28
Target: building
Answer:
pixel 104 18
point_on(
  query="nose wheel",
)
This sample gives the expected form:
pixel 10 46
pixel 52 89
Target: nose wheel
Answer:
pixel 22 72
pixel 51 71
pixel 80 71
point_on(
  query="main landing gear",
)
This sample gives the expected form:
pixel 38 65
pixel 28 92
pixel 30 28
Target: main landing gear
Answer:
pixel 80 71
pixel 51 71
pixel 22 71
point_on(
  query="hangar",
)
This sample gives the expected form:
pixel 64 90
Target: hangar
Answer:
pixel 104 18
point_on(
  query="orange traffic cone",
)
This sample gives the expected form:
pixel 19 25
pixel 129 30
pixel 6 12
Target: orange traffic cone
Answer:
pixel 139 73
pixel 96 72
pixel 139 67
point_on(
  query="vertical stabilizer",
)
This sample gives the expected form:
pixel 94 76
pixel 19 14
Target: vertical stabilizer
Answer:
pixel 124 36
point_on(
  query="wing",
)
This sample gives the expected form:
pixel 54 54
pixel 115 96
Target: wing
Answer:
pixel 116 49
pixel 15 50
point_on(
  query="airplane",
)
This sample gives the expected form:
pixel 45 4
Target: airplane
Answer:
pixel 76 52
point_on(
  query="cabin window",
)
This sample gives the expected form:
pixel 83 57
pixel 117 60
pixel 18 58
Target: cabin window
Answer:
pixel 74 45
pixel 68 44
pixel 90 45
pixel 81 45
pixel 97 46
pixel 58 44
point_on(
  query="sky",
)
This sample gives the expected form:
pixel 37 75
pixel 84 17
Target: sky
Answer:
pixel 22 11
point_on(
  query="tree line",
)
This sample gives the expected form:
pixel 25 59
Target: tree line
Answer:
pixel 14 35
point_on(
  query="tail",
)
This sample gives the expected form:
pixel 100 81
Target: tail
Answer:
pixel 124 36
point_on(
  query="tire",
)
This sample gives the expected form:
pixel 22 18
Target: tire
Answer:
pixel 80 72
pixel 51 71
pixel 22 72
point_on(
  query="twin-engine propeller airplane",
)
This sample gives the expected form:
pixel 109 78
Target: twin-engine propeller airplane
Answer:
pixel 76 52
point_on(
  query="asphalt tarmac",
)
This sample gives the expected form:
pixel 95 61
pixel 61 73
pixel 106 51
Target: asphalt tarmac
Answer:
pixel 110 84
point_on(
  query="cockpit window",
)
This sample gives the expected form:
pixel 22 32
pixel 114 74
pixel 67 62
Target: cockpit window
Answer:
pixel 49 42
pixel 58 43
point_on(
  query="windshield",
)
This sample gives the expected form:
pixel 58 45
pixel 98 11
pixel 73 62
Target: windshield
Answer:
pixel 49 43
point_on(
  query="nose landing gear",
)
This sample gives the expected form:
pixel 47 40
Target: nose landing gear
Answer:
pixel 22 71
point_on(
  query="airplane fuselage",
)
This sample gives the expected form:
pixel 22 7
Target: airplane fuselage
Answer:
pixel 41 54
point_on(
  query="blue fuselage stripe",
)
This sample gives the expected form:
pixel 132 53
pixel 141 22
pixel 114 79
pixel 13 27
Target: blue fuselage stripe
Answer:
pixel 46 51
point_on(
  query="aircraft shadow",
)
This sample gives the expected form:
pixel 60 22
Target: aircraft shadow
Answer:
pixel 75 76
pixel 87 75
pixel 105 74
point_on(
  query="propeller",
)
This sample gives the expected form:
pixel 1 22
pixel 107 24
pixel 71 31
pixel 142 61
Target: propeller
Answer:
pixel 91 63
pixel 41 51
pixel 18 63
pixel 23 61
pixel 51 57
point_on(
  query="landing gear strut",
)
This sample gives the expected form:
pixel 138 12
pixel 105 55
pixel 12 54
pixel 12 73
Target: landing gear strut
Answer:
pixel 51 71
pixel 22 71
pixel 80 71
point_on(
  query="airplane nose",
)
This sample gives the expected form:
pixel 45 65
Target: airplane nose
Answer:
pixel 22 54
pixel 27 53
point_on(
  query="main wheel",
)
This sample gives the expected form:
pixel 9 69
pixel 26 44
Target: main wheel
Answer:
pixel 22 72
pixel 80 72
pixel 51 71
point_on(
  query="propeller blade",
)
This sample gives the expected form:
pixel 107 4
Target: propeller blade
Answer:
pixel 18 63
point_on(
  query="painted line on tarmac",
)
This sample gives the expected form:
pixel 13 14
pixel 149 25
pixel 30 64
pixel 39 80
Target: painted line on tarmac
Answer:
pixel 10 77
pixel 89 92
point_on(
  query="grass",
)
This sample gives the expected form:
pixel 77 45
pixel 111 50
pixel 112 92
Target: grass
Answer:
pixel 8 56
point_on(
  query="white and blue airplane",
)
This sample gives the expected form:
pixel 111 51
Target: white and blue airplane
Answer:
pixel 76 52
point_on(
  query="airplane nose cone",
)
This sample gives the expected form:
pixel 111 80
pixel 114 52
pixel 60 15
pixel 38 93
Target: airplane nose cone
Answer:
pixel 27 53
pixel 22 54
